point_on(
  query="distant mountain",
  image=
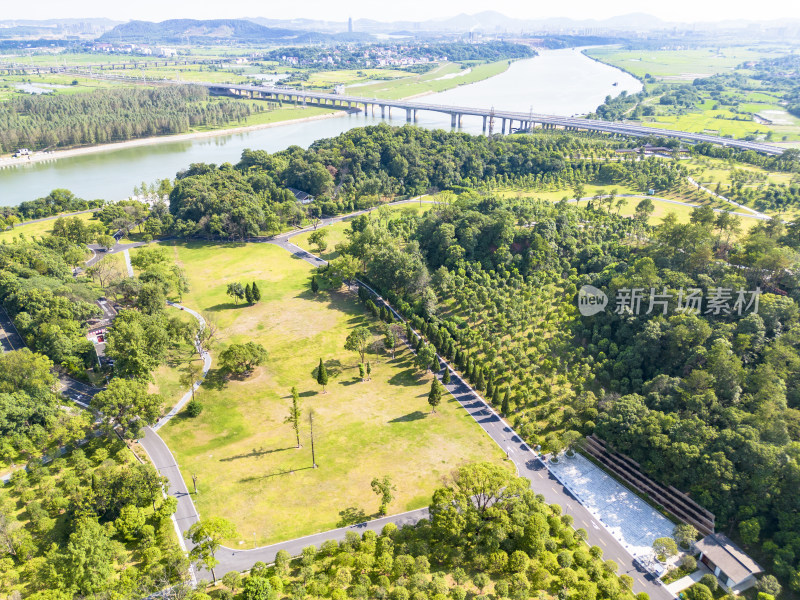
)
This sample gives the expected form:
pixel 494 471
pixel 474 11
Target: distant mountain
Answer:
pixel 215 30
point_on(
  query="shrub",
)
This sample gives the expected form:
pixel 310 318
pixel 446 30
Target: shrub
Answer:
pixel 194 408
pixel 710 582
pixel 689 563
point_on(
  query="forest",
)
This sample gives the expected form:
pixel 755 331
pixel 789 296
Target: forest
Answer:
pixel 706 402
pixel 47 121
pixel 363 166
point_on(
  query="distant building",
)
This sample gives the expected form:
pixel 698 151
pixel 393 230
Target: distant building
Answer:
pixel 339 89
pixel 350 25
pixel 302 197
pixel 167 52
pixel 734 569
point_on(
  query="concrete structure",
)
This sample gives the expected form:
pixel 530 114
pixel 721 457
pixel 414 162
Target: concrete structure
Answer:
pixel 510 121
pixel 734 569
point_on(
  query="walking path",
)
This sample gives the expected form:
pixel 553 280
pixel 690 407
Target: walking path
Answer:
pixel 526 461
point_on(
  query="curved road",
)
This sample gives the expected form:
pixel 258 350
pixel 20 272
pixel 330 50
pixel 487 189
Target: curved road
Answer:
pixel 526 461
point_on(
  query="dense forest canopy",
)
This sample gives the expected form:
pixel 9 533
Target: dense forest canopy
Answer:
pixel 45 121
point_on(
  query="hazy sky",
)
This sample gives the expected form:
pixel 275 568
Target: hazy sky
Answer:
pixel 158 10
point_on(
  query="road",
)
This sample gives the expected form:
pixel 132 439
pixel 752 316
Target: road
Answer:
pixel 526 461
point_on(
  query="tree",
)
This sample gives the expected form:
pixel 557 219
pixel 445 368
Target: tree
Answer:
pixel 390 339
pixel 425 356
pixel 256 293
pixel 314 285
pixel 194 408
pixel 232 580
pixel 384 489
pixel 88 562
pixel 505 408
pixel 322 375
pixel 192 372
pixel 242 358
pixel 126 404
pixel 362 372
pixel 207 536
pixel 446 376
pixel 295 412
pixel 684 534
pixel 235 291
pixel 248 294
pixel 769 584
pixel 106 241
pixel 664 548
pixel 358 341
pixel 749 531
pixel 318 238
pixel 435 395
pixel 311 415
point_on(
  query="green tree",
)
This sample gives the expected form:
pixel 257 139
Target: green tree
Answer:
pixel 749 531
pixel 236 291
pixel 243 358
pixel 248 294
pixel 314 285
pixel 664 548
pixel 384 489
pixel 295 414
pixel 207 537
pixel 446 376
pixel 232 580
pixel 319 239
pixel 322 375
pixel 358 340
pixel 684 534
pixel 88 561
pixel 126 404
pixel 435 395
pixel 256 293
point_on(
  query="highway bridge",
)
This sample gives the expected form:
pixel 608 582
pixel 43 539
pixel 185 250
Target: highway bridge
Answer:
pixel 508 121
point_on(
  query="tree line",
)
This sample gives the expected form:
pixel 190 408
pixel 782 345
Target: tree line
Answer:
pixel 46 121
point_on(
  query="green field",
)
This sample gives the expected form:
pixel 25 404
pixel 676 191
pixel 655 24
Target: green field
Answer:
pixel 242 451
pixel 35 229
pixel 678 65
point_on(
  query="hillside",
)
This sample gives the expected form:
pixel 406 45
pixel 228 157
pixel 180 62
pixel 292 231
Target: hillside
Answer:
pixel 190 30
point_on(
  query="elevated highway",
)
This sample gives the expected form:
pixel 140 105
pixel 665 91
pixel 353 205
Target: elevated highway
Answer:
pixel 508 120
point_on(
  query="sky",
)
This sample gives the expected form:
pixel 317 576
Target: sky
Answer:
pixel 159 10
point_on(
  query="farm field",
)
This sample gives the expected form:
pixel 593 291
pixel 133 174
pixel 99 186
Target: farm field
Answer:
pixel 242 451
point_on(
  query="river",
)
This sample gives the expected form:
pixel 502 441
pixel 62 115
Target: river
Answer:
pixel 560 82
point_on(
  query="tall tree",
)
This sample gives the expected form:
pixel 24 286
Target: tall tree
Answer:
pixel 384 489
pixel 207 536
pixel 435 395
pixel 256 293
pixel 322 375
pixel 295 412
pixel 248 294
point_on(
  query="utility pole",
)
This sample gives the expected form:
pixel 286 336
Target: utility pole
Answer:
pixel 311 427
pixel 194 482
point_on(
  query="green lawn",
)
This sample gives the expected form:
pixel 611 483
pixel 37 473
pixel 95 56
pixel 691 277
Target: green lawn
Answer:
pixel 35 229
pixel 242 451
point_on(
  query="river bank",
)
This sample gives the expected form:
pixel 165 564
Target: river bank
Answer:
pixel 160 139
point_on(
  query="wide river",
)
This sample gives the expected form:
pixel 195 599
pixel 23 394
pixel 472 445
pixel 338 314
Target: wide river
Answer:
pixel 559 82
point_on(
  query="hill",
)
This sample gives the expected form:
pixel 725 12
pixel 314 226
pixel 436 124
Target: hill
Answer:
pixel 190 30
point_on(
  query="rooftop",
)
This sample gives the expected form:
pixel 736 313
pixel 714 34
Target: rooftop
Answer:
pixel 728 556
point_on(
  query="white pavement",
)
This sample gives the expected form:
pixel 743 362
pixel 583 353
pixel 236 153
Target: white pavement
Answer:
pixel 632 522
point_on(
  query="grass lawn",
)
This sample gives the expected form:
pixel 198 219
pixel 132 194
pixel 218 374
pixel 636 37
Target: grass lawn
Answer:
pixel 35 229
pixel 242 451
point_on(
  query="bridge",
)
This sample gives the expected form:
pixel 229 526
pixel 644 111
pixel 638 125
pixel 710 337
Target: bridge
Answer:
pixel 508 120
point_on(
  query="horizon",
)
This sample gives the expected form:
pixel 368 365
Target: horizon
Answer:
pixel 679 12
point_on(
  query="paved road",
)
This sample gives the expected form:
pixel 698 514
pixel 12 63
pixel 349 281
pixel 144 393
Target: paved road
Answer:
pixel 526 461
pixel 100 252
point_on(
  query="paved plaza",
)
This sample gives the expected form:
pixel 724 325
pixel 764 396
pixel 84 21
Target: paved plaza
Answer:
pixel 626 516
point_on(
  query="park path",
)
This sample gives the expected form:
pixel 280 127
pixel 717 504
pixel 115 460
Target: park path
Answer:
pixel 526 461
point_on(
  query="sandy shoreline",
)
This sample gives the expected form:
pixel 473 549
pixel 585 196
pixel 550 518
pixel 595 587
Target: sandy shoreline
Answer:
pixel 161 139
